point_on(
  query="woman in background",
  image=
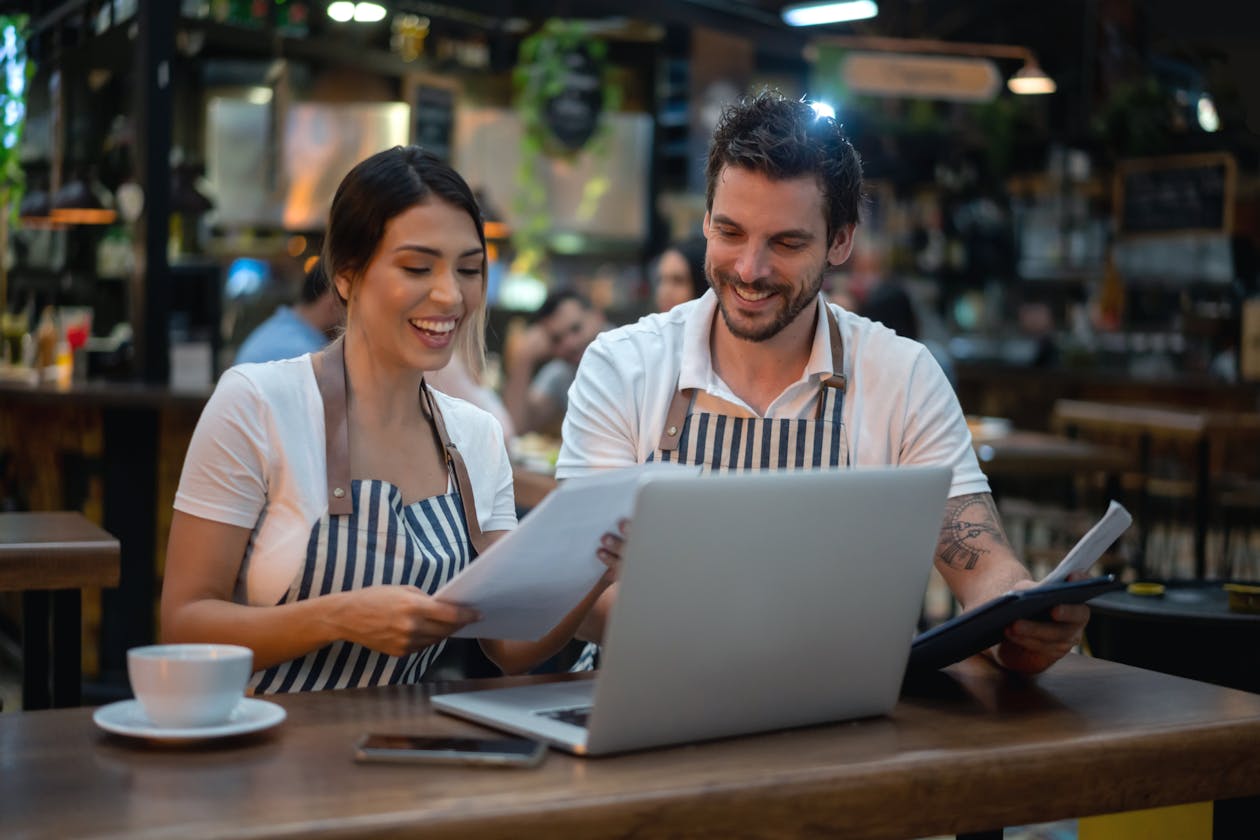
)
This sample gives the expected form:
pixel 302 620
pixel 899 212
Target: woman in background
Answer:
pixel 324 499
pixel 680 274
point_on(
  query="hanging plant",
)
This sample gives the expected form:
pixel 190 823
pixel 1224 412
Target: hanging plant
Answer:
pixel 15 76
pixel 563 95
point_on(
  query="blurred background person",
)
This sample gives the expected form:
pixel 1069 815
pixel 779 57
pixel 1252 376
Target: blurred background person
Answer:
pixel 293 331
pixel 890 304
pixel 458 379
pixel 558 334
pixel 680 274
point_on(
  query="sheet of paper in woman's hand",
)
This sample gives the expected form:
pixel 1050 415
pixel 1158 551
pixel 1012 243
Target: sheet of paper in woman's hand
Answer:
pixel 529 579
pixel 1091 546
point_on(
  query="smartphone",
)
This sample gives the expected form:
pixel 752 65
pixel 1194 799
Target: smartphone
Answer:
pixel 438 749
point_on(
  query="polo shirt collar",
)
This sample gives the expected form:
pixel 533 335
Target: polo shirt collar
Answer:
pixel 697 361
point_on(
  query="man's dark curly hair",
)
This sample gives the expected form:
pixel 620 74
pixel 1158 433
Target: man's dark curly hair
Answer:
pixel 784 138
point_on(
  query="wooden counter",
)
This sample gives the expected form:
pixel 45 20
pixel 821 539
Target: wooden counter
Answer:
pixel 975 750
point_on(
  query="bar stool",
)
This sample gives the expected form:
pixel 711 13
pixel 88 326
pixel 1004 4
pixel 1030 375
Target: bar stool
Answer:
pixel 49 558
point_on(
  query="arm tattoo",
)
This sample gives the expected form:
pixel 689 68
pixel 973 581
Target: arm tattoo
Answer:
pixel 971 530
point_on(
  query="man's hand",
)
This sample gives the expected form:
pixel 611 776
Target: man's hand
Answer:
pixel 609 551
pixel 1031 647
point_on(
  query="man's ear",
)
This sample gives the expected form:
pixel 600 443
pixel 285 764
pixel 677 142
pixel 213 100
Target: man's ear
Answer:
pixel 841 245
pixel 705 226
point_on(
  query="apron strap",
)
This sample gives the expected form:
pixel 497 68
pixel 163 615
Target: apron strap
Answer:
pixel 837 379
pixel 330 377
pixel 678 410
pixel 456 462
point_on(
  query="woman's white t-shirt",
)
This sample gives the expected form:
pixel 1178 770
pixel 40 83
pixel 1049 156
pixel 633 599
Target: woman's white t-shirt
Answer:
pixel 257 461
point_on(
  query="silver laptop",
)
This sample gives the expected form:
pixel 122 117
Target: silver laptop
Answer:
pixel 747 603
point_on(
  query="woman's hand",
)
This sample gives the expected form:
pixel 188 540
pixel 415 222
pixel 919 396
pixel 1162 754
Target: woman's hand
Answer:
pixel 609 551
pixel 395 620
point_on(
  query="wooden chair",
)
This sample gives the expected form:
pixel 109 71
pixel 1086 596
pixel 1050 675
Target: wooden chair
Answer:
pixel 1190 466
pixel 1166 488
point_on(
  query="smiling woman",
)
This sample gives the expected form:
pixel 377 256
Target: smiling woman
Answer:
pixel 325 498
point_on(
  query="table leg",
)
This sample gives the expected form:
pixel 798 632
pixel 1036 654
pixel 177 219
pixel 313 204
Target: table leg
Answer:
pixel 1143 509
pixel 1202 509
pixel 1235 819
pixel 36 651
pixel 67 638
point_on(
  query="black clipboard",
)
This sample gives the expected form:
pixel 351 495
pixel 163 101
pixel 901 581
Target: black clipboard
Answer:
pixel 979 629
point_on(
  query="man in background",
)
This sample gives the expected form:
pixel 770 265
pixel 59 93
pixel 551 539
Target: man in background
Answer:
pixel 299 329
pixel 558 335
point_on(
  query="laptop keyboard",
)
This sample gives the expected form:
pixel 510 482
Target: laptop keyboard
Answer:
pixel 577 716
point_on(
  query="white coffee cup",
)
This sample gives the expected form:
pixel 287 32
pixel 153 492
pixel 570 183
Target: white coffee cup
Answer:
pixel 187 686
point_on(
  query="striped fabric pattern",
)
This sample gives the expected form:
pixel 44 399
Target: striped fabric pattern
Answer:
pixel 721 443
pixel 382 542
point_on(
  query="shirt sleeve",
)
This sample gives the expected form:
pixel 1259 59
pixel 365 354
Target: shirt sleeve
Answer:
pixel 503 512
pixel 225 475
pixel 480 439
pixel 601 425
pixel 936 431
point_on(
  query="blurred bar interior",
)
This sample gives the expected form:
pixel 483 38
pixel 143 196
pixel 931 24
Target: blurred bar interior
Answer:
pixel 1070 197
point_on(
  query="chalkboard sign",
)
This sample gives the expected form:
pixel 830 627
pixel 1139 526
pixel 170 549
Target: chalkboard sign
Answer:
pixel 573 113
pixel 1182 194
pixel 433 117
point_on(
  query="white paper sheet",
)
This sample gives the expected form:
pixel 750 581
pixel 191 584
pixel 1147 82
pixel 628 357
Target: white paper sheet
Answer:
pixel 532 577
pixel 1091 546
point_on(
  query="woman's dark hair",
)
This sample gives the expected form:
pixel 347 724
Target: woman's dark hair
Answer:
pixel 692 250
pixel 890 304
pixel 784 138
pixel 386 185
pixel 314 283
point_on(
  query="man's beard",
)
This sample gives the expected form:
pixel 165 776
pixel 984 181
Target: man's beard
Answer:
pixel 790 308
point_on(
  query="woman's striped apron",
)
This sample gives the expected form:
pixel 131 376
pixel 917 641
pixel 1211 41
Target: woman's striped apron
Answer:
pixel 369 537
pixel 722 443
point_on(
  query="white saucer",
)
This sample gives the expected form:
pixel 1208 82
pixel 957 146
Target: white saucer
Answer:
pixel 126 717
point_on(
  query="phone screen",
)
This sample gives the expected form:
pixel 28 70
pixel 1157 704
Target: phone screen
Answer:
pixel 444 749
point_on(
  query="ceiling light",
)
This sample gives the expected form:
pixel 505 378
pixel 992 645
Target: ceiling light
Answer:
pixel 368 12
pixel 82 201
pixel 1031 79
pixel 816 14
pixel 1209 120
pixel 341 11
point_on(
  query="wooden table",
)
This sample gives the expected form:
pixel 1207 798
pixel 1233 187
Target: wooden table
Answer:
pixel 49 558
pixel 1026 454
pixel 530 486
pixel 975 750
pixel 141 434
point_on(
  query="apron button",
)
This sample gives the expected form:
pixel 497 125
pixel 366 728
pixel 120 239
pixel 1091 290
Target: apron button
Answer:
pixel 339 493
pixel 673 430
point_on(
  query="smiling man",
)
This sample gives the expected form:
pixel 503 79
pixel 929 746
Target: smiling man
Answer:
pixel 762 373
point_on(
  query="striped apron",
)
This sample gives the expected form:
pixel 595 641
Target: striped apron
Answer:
pixel 369 537
pixel 722 443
